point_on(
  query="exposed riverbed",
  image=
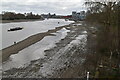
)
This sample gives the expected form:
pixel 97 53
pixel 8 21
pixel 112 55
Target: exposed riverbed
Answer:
pixel 50 57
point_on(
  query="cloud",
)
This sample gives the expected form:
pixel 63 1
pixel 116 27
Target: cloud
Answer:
pixel 43 6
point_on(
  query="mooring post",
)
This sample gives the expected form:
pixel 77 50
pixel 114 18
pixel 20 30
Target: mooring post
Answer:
pixel 87 75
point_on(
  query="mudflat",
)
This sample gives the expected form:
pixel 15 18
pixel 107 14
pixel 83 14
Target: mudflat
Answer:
pixel 26 42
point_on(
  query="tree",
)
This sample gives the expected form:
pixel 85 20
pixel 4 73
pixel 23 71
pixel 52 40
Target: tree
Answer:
pixel 8 16
pixel 19 16
pixel 106 14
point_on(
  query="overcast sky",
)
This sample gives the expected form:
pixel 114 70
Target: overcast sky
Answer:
pixel 43 6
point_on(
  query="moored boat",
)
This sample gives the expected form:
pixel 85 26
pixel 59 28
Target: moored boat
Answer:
pixel 15 29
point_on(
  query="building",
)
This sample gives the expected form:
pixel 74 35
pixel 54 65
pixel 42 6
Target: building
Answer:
pixel 78 16
pixel 74 15
pixel 82 15
pixel 49 15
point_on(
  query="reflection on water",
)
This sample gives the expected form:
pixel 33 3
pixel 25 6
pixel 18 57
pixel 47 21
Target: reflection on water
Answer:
pixel 30 28
pixel 34 51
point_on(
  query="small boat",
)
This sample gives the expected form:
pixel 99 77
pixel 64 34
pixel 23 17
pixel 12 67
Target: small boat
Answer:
pixel 15 29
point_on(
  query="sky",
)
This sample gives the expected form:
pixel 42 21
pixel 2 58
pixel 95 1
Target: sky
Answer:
pixel 43 6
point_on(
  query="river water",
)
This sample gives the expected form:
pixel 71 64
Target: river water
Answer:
pixel 29 28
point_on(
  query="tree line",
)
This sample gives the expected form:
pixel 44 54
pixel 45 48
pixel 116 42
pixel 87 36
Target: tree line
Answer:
pixel 16 16
pixel 107 16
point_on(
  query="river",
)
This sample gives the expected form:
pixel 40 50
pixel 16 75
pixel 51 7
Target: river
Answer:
pixel 29 28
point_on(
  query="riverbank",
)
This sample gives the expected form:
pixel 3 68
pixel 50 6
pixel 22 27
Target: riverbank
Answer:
pixel 72 57
pixel 69 53
pixel 20 20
